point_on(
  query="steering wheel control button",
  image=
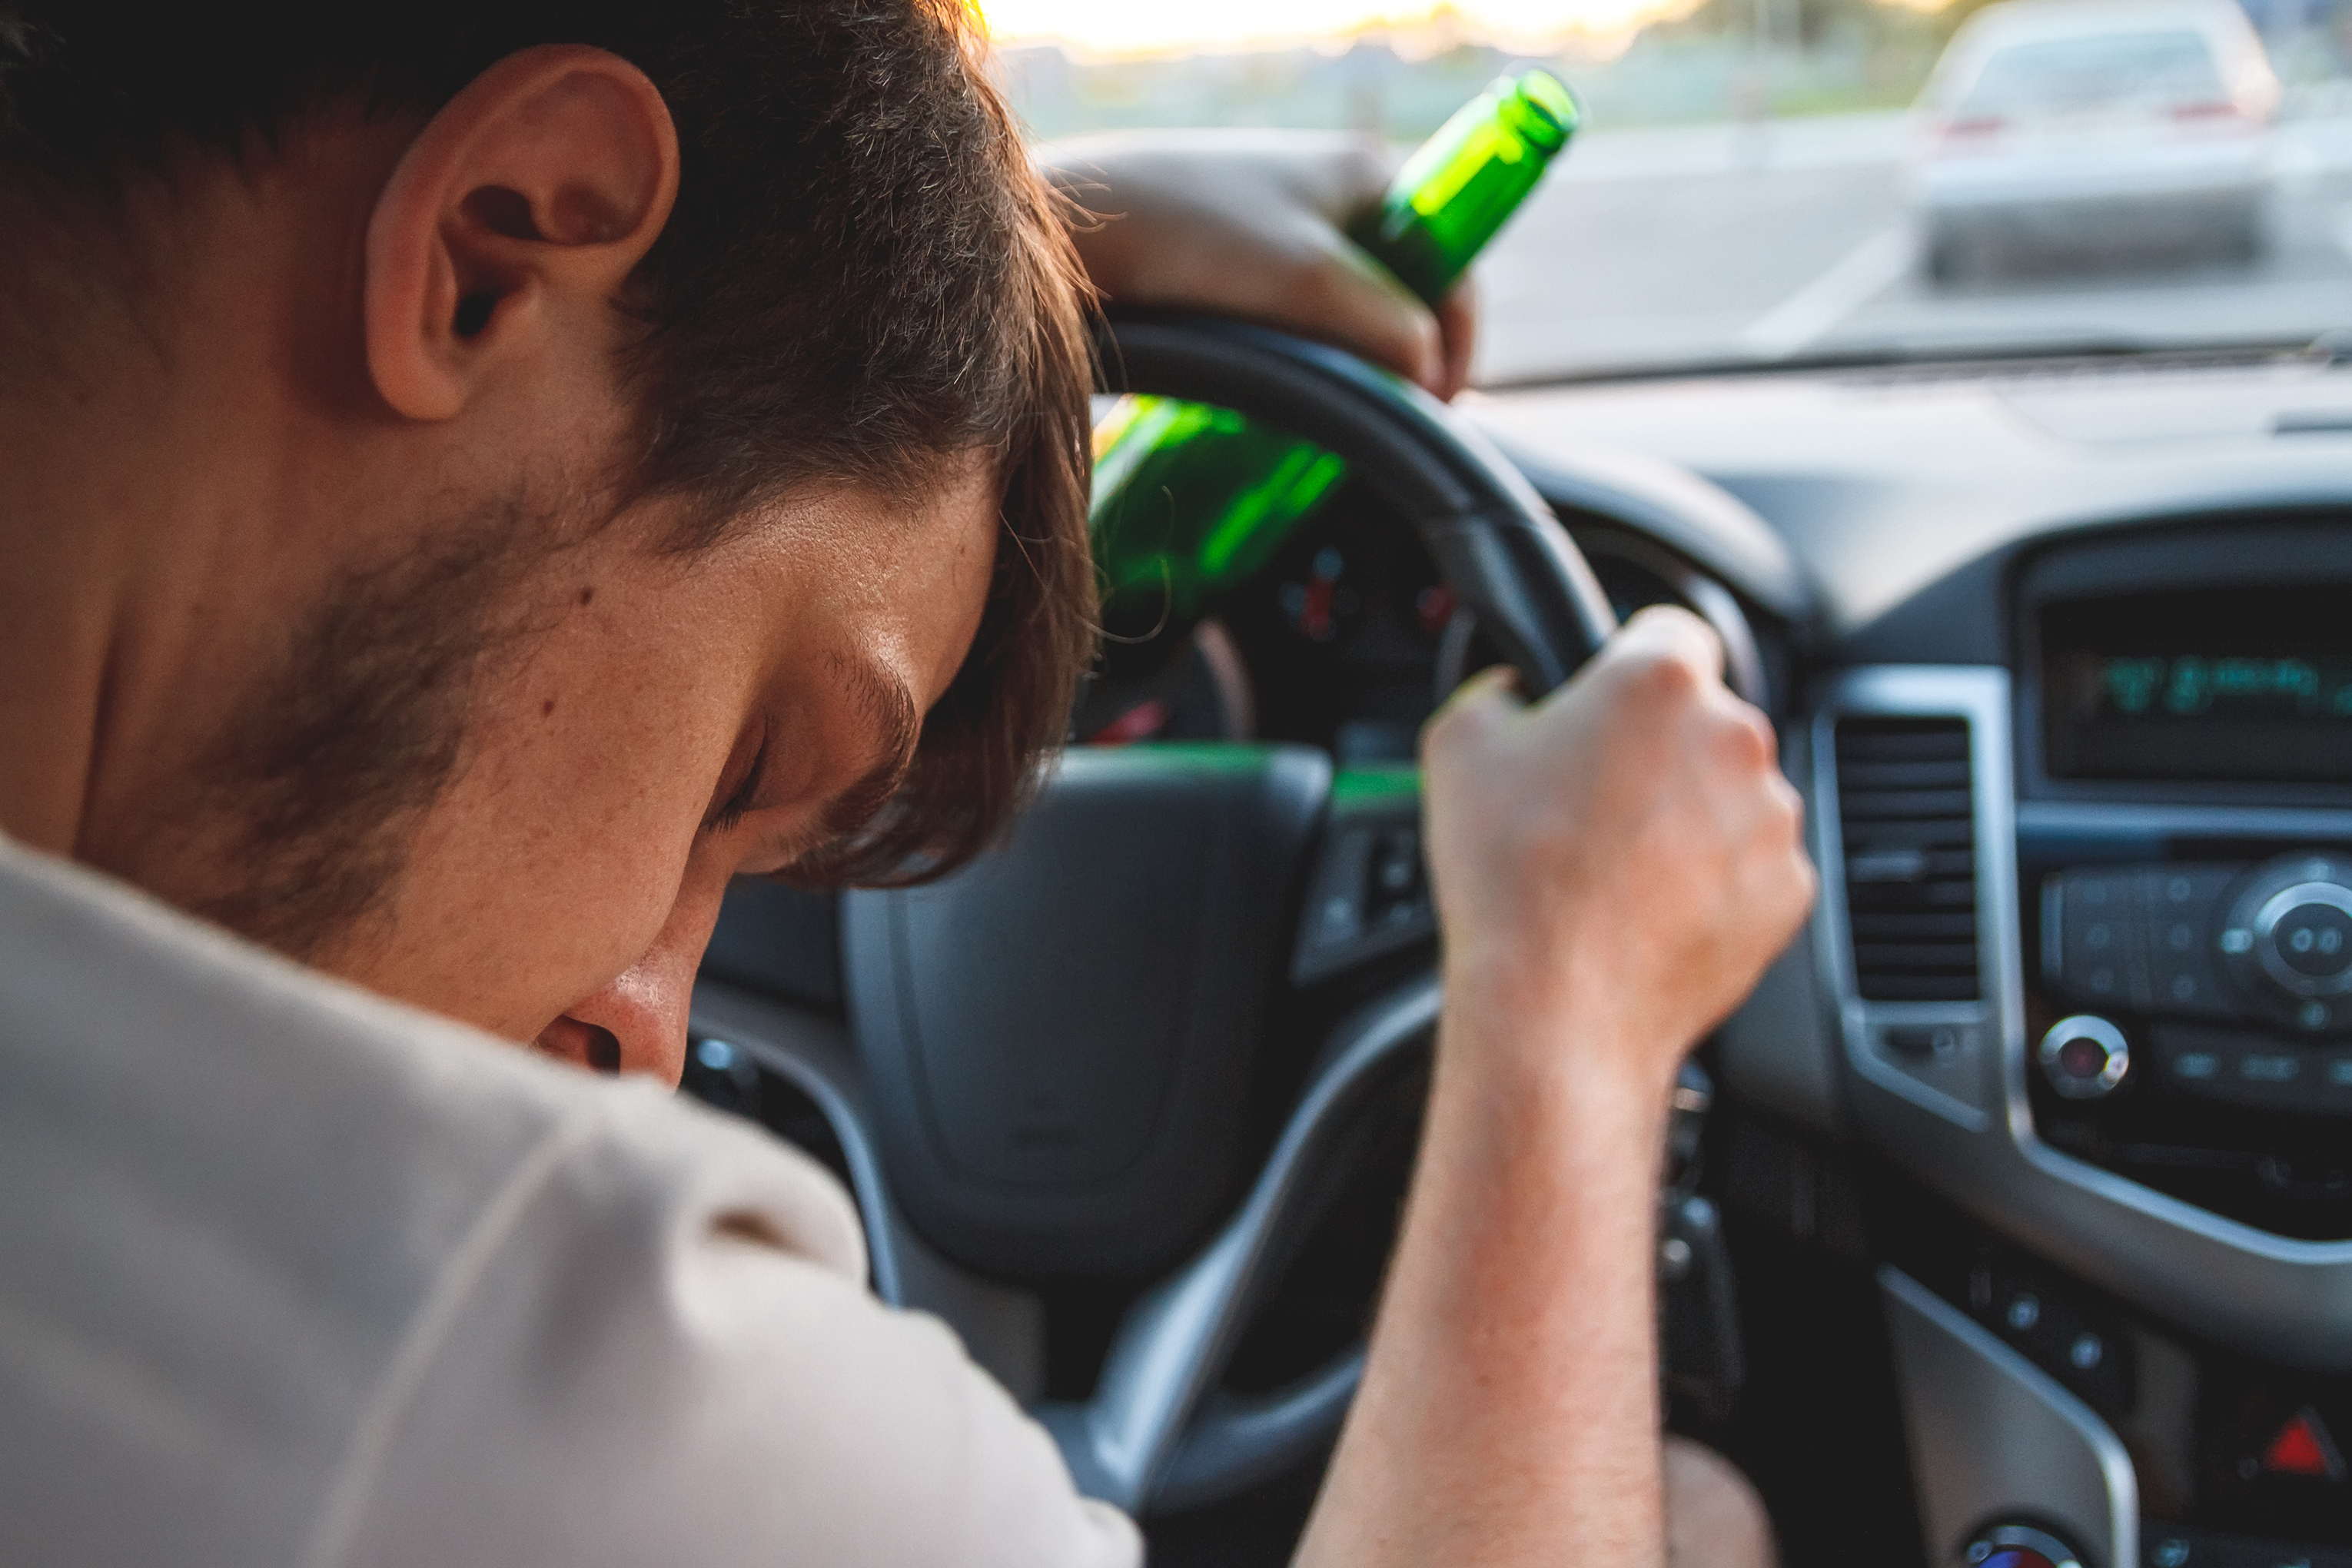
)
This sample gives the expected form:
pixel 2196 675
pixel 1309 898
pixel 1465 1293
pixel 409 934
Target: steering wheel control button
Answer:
pixel 2084 1058
pixel 2019 1546
pixel 1369 894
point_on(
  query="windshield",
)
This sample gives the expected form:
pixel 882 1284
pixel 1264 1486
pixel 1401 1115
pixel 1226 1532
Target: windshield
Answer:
pixel 1763 182
pixel 2062 77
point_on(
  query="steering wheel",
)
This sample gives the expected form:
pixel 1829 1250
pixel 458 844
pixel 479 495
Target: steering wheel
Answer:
pixel 1059 1042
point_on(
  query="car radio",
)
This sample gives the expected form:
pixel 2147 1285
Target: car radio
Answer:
pixel 2185 861
pixel 2242 974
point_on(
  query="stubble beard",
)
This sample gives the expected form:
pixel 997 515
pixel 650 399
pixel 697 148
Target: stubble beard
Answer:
pixel 304 808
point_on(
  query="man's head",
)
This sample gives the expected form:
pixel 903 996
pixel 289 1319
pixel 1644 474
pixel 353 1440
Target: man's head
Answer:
pixel 502 469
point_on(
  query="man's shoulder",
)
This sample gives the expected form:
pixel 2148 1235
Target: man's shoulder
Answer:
pixel 157 1039
pixel 243 1191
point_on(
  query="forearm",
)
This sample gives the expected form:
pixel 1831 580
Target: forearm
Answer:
pixel 1508 1413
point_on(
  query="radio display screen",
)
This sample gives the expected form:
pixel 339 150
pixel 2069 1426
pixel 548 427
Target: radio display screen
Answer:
pixel 2247 684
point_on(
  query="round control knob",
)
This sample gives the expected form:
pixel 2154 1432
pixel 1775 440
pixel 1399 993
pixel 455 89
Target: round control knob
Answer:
pixel 2019 1546
pixel 2299 937
pixel 2084 1057
pixel 2287 940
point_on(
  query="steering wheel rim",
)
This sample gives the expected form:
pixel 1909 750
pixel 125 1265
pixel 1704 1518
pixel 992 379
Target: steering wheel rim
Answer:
pixel 1507 559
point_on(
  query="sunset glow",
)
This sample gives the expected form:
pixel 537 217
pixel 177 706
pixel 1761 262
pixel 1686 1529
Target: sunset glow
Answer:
pixel 1095 27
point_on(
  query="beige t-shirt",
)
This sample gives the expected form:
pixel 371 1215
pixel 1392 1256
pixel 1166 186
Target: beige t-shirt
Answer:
pixel 290 1275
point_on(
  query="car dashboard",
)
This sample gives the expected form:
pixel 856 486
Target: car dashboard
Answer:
pixel 2073 733
pixel 2030 1156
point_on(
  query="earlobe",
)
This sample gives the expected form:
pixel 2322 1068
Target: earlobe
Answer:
pixel 517 213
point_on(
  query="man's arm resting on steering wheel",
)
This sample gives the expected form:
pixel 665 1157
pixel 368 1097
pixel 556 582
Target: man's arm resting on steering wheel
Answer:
pixel 1249 224
pixel 1614 868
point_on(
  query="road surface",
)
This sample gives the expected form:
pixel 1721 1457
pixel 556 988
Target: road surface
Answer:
pixel 1728 243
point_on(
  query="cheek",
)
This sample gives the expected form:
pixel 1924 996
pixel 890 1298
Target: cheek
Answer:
pixel 556 858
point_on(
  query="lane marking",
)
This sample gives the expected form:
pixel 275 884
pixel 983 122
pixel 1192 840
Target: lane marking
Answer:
pixel 1804 316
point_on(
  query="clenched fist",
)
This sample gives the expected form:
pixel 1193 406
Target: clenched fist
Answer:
pixel 1624 856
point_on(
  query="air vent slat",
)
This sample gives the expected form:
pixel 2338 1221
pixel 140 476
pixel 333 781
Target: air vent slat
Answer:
pixel 1941 740
pixel 1948 831
pixel 1952 774
pixel 1903 804
pixel 1907 818
pixel 1914 896
pixel 1958 925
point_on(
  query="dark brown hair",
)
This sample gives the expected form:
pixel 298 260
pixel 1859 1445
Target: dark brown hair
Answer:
pixel 862 277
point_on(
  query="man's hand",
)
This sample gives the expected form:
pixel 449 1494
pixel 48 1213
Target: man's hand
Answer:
pixel 1615 867
pixel 1248 224
pixel 1628 846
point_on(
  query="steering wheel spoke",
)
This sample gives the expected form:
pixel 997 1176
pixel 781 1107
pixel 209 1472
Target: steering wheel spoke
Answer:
pixel 1155 1434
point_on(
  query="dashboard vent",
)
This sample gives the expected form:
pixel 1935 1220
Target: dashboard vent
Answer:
pixel 1908 820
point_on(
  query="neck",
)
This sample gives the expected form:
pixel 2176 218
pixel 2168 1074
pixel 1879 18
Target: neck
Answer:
pixel 159 390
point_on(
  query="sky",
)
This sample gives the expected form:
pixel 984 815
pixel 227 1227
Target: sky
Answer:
pixel 1153 27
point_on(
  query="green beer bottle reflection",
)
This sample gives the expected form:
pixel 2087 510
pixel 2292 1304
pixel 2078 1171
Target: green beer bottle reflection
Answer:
pixel 1189 499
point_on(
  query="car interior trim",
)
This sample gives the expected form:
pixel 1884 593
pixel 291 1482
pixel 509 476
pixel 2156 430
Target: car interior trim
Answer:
pixel 2265 1294
pixel 2077 818
pixel 1995 1439
pixel 1682 511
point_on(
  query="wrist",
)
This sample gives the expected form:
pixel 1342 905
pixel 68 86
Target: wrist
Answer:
pixel 1532 1017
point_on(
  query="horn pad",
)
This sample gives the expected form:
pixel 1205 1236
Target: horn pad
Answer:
pixel 1059 1040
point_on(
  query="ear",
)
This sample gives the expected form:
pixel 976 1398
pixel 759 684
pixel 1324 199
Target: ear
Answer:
pixel 515 217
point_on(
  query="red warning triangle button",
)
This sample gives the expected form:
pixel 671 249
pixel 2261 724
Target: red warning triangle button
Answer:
pixel 2303 1448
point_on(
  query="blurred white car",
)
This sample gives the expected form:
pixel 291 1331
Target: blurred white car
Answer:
pixel 2094 131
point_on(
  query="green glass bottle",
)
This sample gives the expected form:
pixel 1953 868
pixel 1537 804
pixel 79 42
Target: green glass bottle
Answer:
pixel 1189 498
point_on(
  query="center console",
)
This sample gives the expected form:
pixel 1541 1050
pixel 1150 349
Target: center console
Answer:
pixel 2187 715
pixel 2087 925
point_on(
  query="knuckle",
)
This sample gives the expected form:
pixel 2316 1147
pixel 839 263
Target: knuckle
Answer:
pixel 1459 726
pixel 1659 675
pixel 1748 742
pixel 1313 282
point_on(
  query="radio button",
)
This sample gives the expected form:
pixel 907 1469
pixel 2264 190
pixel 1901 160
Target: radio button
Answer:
pixel 2311 939
pixel 2100 961
pixel 2139 937
pixel 2288 942
pixel 2251 1070
pixel 2178 906
pixel 2085 1056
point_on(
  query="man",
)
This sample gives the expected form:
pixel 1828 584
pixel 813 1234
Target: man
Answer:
pixel 479 476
